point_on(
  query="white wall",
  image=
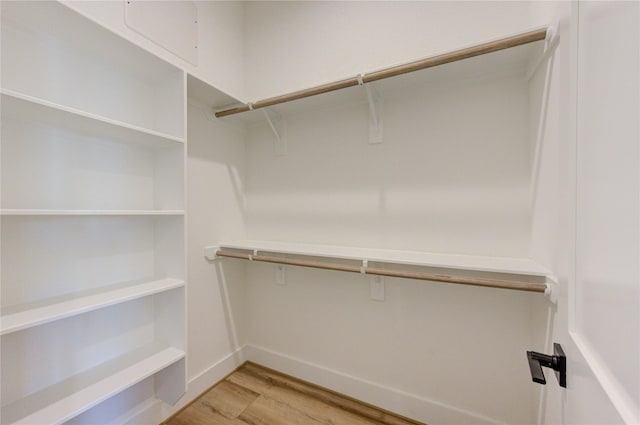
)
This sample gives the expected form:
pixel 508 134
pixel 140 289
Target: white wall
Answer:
pixel 220 39
pixel 294 45
pixel 435 184
pixel 453 175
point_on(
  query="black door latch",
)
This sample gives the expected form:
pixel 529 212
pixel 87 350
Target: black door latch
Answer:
pixel 557 362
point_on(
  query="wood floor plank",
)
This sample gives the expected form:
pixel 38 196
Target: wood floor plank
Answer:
pixel 229 399
pixel 317 409
pixel 205 414
pixel 219 406
pixel 197 414
pixel 252 381
pixel 287 391
pixel 268 411
pixel 275 379
pixel 255 395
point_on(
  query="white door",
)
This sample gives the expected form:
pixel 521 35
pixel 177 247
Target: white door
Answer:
pixel 604 288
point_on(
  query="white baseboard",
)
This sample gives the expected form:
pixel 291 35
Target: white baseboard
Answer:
pixel 209 377
pixel 196 386
pixel 409 405
pixel 406 404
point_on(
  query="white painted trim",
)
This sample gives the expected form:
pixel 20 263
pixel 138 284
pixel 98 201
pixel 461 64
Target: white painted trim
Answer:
pixel 392 399
pixel 196 386
pixel 619 397
pixel 219 370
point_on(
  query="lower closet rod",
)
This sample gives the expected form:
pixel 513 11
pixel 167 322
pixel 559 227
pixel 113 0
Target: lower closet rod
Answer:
pixel 461 280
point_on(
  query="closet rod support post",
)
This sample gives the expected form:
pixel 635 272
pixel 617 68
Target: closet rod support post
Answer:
pixel 375 113
pixel 551 42
pixel 276 123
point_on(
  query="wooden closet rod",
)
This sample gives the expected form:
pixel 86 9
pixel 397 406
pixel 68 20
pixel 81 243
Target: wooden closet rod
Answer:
pixel 457 55
pixel 461 280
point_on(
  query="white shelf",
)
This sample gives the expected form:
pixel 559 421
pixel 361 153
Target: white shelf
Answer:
pixel 79 393
pixel 16 104
pixel 521 266
pixel 206 94
pixel 40 212
pixel 24 318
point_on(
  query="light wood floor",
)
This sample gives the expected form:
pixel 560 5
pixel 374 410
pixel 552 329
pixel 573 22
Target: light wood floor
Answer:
pixel 254 395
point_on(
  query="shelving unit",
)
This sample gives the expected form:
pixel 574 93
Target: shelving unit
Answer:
pixel 74 63
pixel 522 266
pixel 93 217
pixel 77 394
pixel 509 60
pixel 107 166
pixel 529 276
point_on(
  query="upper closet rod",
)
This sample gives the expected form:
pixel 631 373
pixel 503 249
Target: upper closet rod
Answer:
pixel 481 49
pixel 463 280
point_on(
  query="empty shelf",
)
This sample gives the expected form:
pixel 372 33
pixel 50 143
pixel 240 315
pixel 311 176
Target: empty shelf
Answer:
pixel 38 315
pixel 79 393
pixel 522 266
pixel 22 105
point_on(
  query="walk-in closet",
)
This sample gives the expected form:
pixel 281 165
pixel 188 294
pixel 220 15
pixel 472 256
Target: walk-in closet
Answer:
pixel 412 212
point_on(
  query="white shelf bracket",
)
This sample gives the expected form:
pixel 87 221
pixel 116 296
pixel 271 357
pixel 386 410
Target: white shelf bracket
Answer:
pixel 375 111
pixel 276 122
